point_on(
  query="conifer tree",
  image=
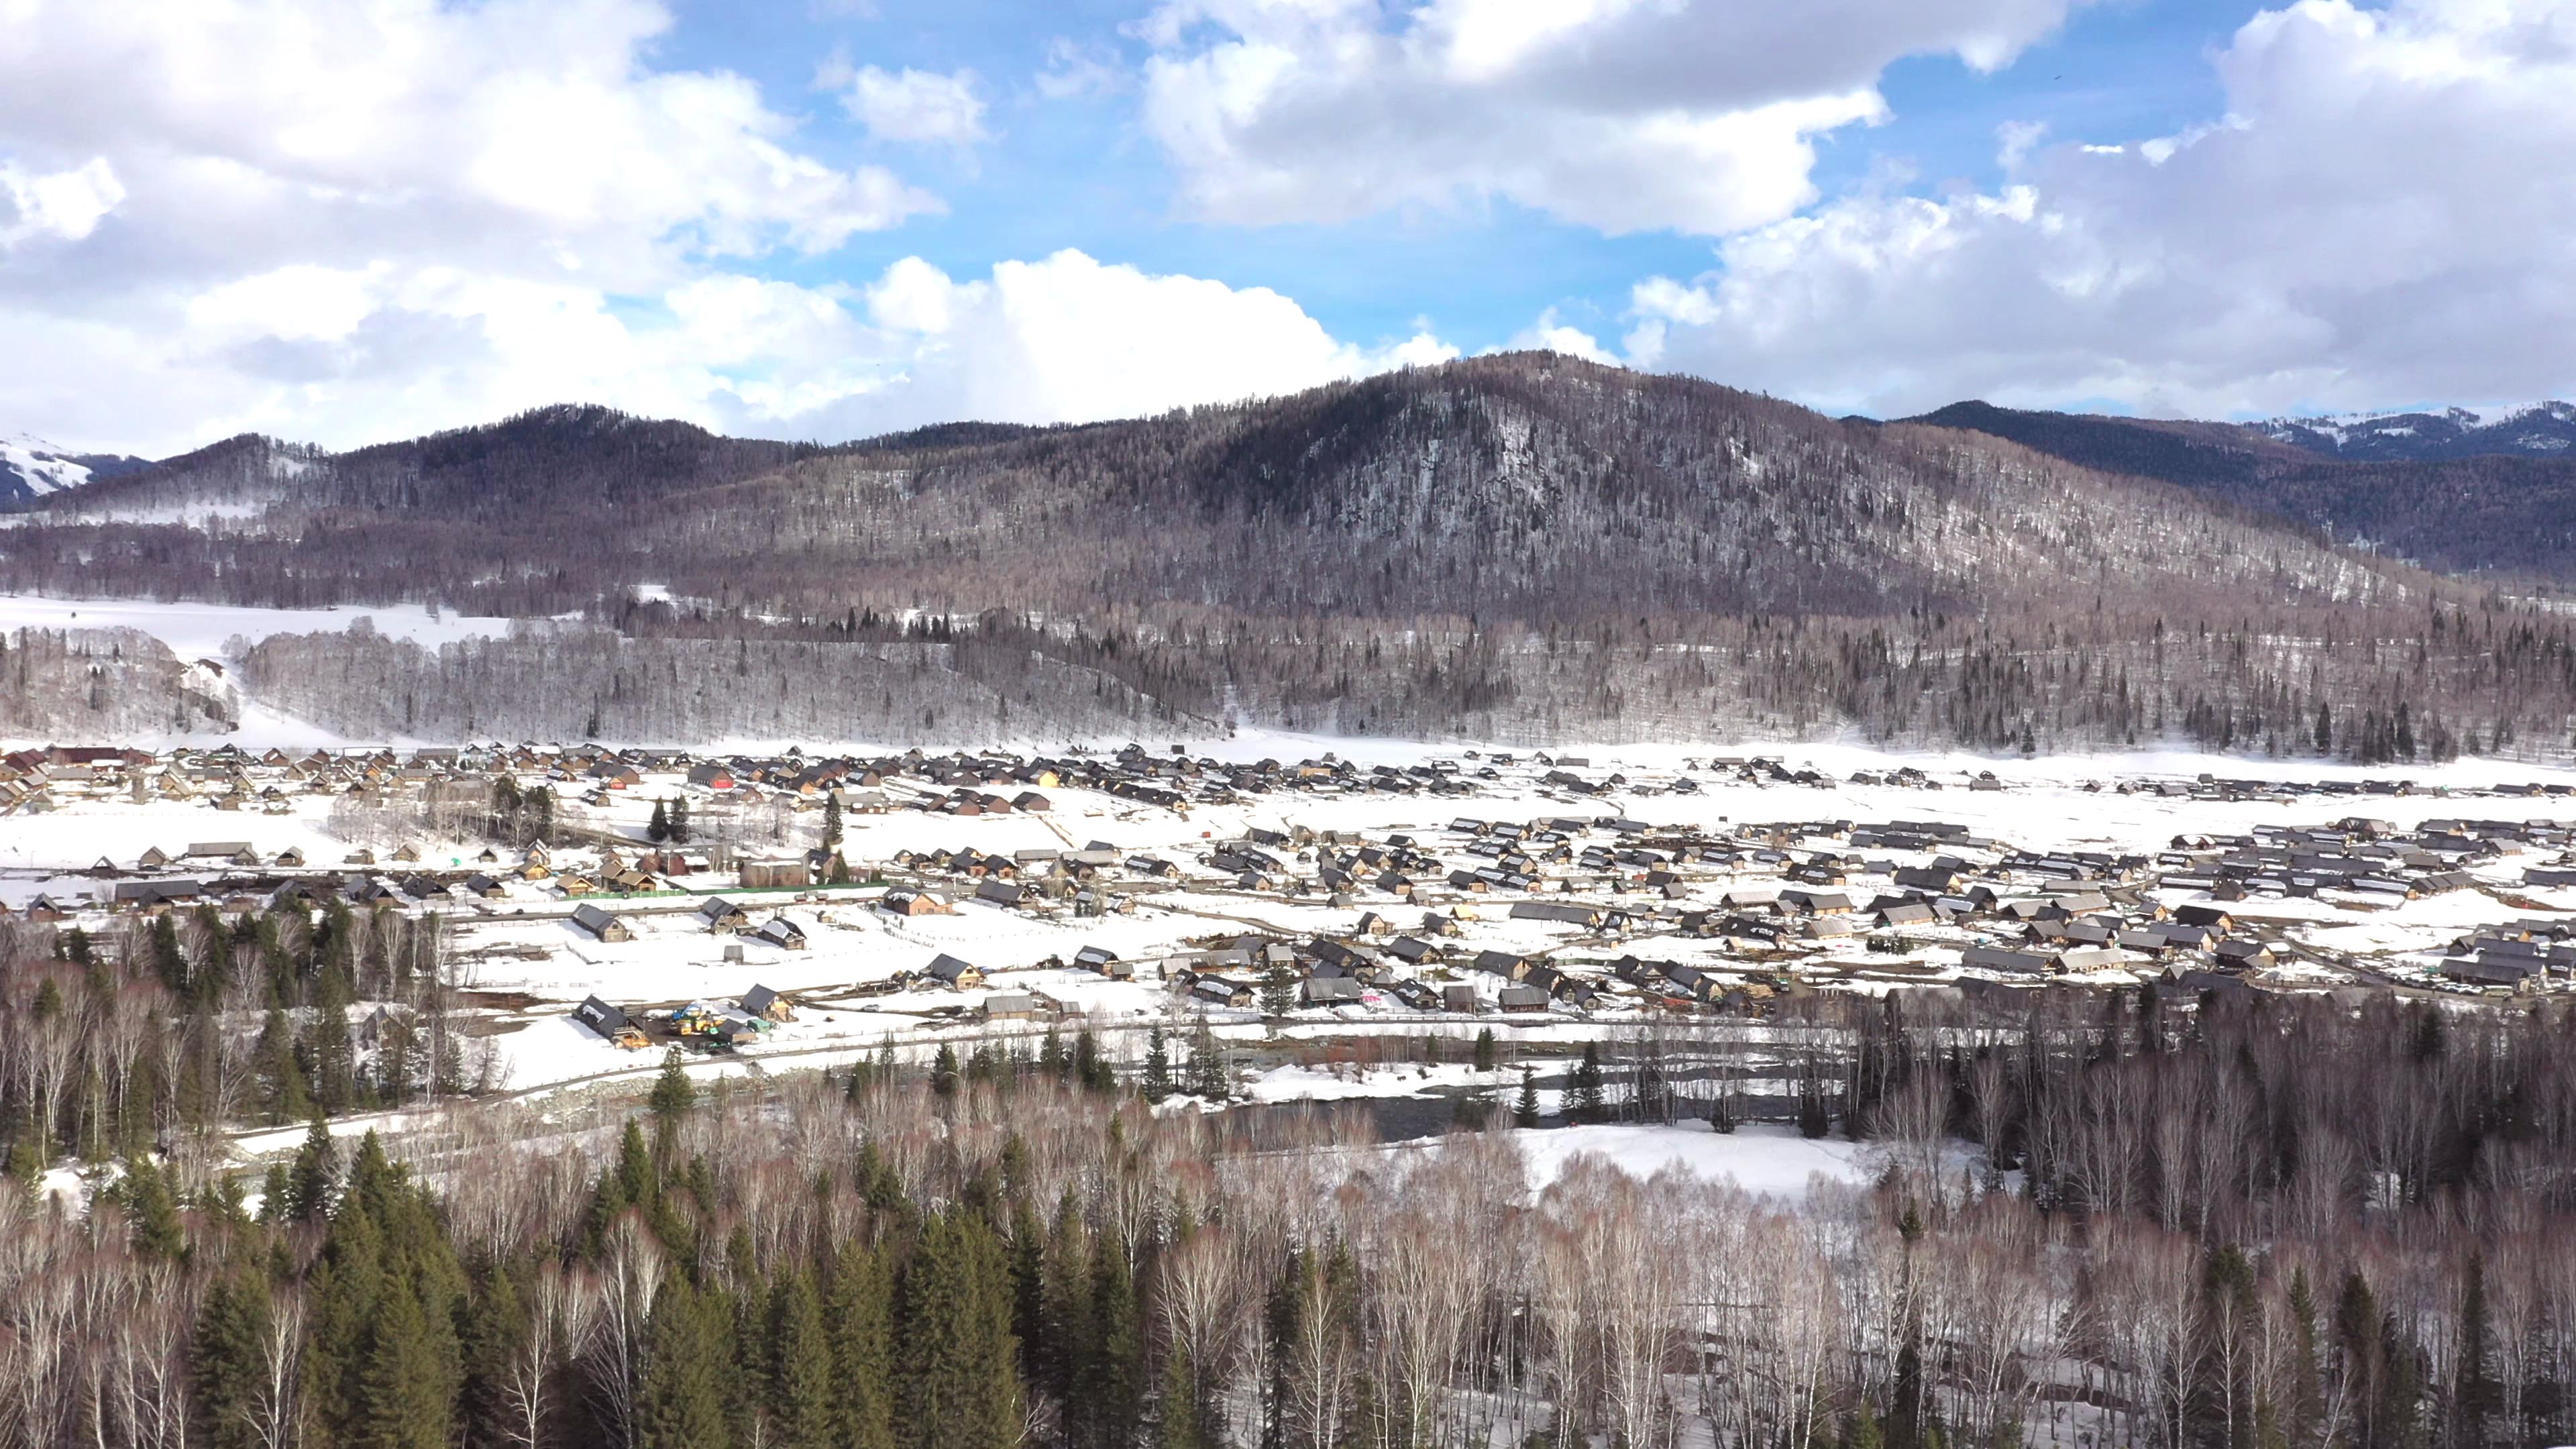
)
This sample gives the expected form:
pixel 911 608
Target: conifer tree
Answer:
pixel 832 821
pixel 658 829
pixel 1065 1309
pixel 335 1068
pixel 961 1389
pixel 497 1331
pixel 224 1365
pixel 685 1389
pixel 1180 1424
pixel 673 1095
pixel 2474 1393
pixel 405 1400
pixel 943 1071
pixel 862 1329
pixel 1484 1057
pixel 151 1213
pixel 1157 1083
pixel 1278 989
pixel 1111 1380
pixel 1525 1107
pixel 1208 1078
pixel 1585 1101
pixel 802 1395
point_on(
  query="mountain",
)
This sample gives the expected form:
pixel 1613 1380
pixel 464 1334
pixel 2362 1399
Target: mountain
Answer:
pixel 2536 430
pixel 30 468
pixel 2470 513
pixel 1517 547
pixel 549 459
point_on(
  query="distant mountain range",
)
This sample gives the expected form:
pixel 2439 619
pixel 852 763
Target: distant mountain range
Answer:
pixel 31 467
pixel 2536 430
pixel 2460 492
pixel 1516 547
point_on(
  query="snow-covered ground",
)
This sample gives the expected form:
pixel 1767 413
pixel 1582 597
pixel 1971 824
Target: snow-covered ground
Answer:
pixel 201 631
pixel 1762 1157
pixel 522 946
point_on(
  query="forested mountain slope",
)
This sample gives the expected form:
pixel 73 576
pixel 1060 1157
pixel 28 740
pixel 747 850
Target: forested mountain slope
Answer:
pixel 2540 430
pixel 1523 546
pixel 2461 507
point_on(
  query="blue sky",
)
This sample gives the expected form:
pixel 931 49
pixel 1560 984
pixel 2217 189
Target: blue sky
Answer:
pixel 343 220
pixel 1083 173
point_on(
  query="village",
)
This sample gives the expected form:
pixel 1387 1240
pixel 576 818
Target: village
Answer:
pixel 593 903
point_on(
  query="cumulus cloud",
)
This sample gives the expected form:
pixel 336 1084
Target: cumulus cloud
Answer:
pixel 1625 115
pixel 916 105
pixel 263 214
pixel 1068 338
pixel 2378 217
pixel 61 205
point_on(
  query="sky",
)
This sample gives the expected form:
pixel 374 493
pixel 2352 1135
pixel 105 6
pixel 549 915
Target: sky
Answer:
pixel 343 221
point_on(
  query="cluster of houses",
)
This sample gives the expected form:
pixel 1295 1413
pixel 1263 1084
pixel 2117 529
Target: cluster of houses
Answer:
pixel 2013 915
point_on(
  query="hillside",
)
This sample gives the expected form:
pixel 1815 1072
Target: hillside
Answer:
pixel 2466 507
pixel 2539 430
pixel 1522 546
pixel 31 468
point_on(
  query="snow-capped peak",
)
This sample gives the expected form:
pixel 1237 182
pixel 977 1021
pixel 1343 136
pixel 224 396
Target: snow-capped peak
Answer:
pixel 30 467
pixel 41 466
pixel 2539 430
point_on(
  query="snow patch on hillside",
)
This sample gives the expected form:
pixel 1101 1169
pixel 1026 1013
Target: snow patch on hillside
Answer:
pixel 41 466
pixel 200 631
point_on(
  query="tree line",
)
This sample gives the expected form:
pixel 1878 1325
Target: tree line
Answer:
pixel 2107 1218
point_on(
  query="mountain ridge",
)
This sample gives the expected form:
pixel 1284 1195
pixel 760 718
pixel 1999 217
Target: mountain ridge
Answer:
pixel 31 468
pixel 2532 430
pixel 1524 546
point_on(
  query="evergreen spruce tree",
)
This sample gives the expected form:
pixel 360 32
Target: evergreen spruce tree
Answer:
pixel 1585 1100
pixel 1484 1057
pixel 803 1382
pixel 335 1066
pixel 1157 1083
pixel 685 1386
pixel 1027 1246
pixel 832 821
pixel 862 1329
pixel 680 820
pixel 151 1212
pixel 1278 989
pixel 223 1364
pixel 405 1400
pixel 943 1071
pixel 1525 1107
pixel 2474 1393
pixel 658 829
pixel 1208 1078
pixel 673 1095
pixel 1181 1423
pixel 1113 1368
pixel 2306 1410
pixel 961 1389
pixel 497 1330
pixel 1065 1313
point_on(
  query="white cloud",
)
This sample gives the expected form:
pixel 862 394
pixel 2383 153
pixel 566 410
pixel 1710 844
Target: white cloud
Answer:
pixel 916 105
pixel 1625 115
pixel 349 219
pixel 1068 338
pixel 2379 217
pixel 1074 69
pixel 1552 335
pixel 61 205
